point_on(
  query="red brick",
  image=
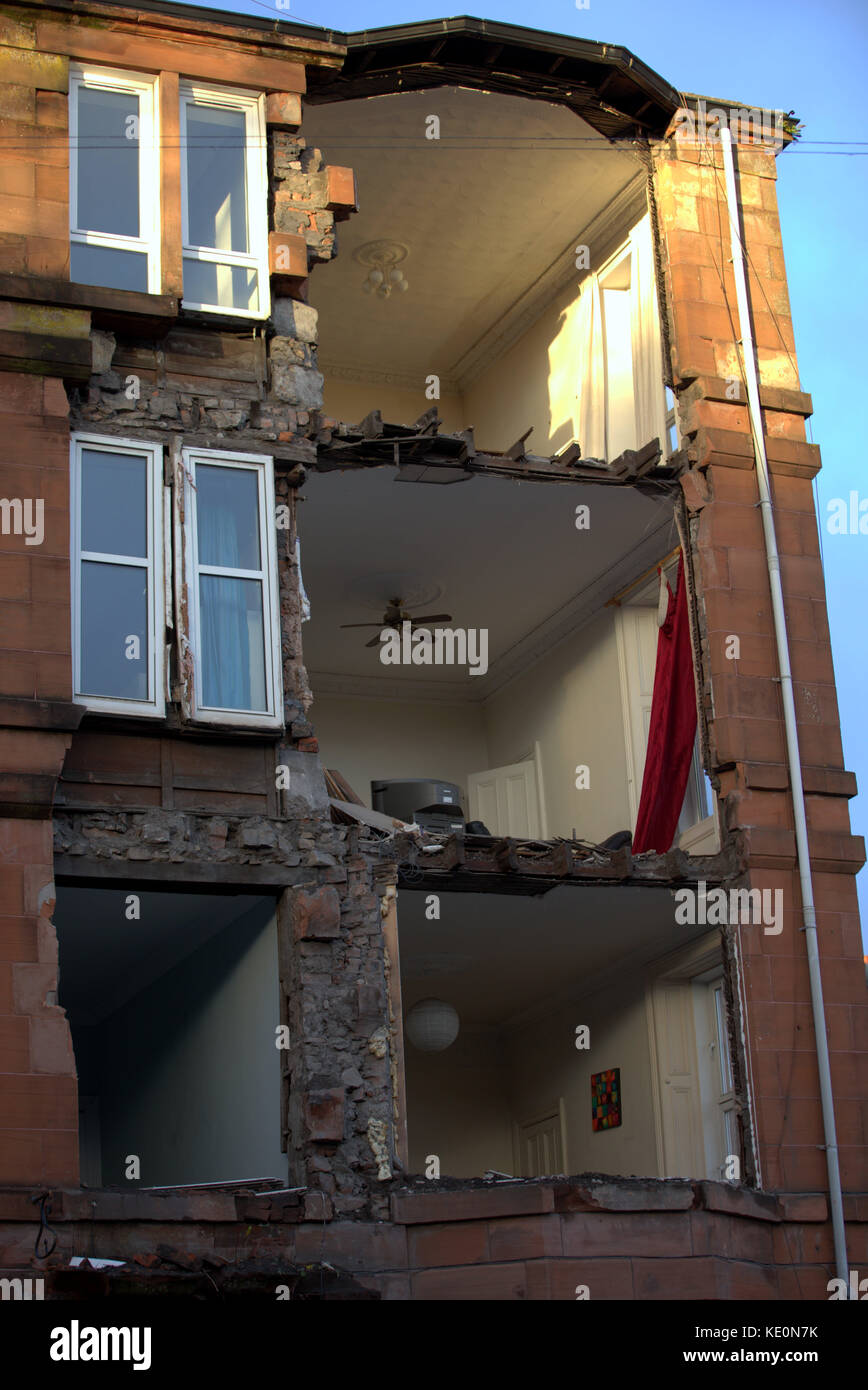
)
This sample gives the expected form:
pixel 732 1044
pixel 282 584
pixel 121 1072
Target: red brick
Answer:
pixel 11 891
pixel 525 1238
pixel 452 1243
pixel 491 1282
pixel 732 1237
pixel 38 1102
pixel 351 1245
pixel 316 916
pixel 14 1044
pixel 674 1279
pixel 642 1233
pixel 805 1283
pixel 477 1204
pixel 556 1279
pixel 324 1115
pixel 740 1281
pixel 283 109
pixel 18 939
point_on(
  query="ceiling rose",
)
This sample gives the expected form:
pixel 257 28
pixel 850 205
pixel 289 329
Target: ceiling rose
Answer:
pixel 414 590
pixel 383 259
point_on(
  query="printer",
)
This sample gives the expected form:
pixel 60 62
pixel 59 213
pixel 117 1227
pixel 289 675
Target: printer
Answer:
pixel 432 804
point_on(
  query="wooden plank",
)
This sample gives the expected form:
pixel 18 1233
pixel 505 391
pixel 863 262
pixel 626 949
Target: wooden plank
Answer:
pixel 46 290
pixel 187 876
pixel 79 776
pixel 220 803
pixel 42 355
pixel 171 268
pixel 339 787
pixel 100 795
pixel 95 752
pixel 237 355
pixel 376 819
pixel 393 988
pixel 166 770
pixel 119 47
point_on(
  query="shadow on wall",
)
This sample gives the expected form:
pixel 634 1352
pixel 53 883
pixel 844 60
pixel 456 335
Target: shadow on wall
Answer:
pixel 176 1056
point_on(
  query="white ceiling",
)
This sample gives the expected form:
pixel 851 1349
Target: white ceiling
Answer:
pixel 496 554
pixel 106 959
pixel 496 957
pixel 485 211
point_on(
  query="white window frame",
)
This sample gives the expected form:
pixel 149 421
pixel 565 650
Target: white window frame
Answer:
pixel 263 464
pixel 154 706
pixel 145 88
pixel 253 107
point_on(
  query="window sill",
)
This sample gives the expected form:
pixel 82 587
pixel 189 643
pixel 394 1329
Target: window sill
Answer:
pixel 121 306
pixel 701 838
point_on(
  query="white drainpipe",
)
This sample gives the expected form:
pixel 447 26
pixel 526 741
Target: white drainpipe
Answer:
pixel 809 915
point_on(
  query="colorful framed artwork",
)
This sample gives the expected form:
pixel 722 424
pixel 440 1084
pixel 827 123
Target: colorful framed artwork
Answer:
pixel 606 1099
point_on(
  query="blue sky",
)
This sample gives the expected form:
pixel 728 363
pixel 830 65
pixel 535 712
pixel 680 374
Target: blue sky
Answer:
pixel 794 55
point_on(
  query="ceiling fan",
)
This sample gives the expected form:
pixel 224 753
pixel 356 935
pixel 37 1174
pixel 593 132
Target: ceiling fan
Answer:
pixel 395 615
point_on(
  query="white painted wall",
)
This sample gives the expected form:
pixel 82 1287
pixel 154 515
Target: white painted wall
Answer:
pixel 462 1103
pixel 545 1064
pixel 351 401
pixel 570 703
pixel 368 740
pixel 458 1107
pixel 190 1073
pixel 534 383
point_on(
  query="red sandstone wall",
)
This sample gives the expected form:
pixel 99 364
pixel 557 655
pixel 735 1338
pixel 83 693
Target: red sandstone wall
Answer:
pixel 742 697
pixel 38 1098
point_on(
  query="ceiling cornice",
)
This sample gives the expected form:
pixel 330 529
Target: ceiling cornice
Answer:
pixel 557 628
pixel 603 234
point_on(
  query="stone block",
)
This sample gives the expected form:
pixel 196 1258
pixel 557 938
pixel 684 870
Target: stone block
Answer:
pixel 324 1115
pixel 298 385
pixel 293 319
pixel 316 916
pixel 283 109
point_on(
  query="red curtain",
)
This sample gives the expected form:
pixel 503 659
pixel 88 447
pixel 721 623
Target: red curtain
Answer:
pixel 673 729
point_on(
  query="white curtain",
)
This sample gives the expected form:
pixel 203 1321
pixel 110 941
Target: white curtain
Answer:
pixel 592 371
pixel 648 390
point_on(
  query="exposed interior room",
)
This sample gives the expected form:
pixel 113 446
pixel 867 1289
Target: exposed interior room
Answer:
pixel 549 993
pixel 178 994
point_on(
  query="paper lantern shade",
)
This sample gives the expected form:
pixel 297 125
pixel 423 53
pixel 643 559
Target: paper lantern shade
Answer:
pixel 432 1025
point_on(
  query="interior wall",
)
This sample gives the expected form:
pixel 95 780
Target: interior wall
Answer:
pixel 351 401
pixel 570 702
pixel 190 1075
pixel 462 1103
pixel 546 1065
pixel 367 740
pixel 458 1107
pixel 534 383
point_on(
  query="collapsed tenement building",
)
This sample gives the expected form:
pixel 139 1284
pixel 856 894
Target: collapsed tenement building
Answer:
pixel 477 327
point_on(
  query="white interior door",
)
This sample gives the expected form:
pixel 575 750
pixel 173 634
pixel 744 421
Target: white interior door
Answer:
pixel 540 1149
pixel 637 652
pixel 506 800
pixel 678 1089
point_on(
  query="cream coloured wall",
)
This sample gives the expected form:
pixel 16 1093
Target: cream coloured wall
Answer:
pixel 534 383
pixel 458 1107
pixel 546 1065
pixel 570 702
pixel 199 1042
pixel 351 401
pixel 366 740
pixel 463 1103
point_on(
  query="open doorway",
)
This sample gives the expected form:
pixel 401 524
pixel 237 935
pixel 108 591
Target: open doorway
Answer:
pixel 172 1000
